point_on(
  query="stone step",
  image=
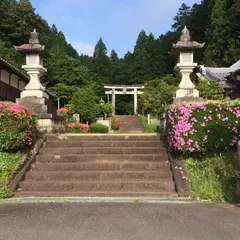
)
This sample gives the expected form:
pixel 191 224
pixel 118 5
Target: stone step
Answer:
pixel 155 194
pixel 107 166
pixel 102 150
pixel 98 175
pixel 69 144
pixel 161 157
pixel 114 185
pixel 105 137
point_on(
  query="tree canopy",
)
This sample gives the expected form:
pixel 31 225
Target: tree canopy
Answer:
pixel 215 22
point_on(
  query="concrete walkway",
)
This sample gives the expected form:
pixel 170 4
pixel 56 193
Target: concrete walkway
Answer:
pixel 119 221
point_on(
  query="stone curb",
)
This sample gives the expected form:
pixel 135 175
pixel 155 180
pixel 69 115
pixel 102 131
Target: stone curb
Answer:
pixel 27 160
pixel 100 200
pixel 101 134
pixel 180 176
pixel 238 187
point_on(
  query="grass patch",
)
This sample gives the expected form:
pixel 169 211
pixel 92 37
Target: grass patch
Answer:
pixel 213 178
pixel 147 128
pixel 8 162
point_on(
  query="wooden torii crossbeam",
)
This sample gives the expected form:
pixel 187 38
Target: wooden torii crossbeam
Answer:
pixel 122 90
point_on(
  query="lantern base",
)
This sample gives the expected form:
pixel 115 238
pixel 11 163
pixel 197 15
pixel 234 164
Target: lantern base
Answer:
pixel 34 93
pixel 51 124
pixel 44 109
pixel 38 105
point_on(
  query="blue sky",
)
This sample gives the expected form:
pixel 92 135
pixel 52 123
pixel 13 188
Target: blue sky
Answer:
pixel 118 22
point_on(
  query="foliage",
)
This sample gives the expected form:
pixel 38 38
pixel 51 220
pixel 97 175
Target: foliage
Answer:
pixel 115 123
pixel 150 128
pixel 147 128
pixel 182 17
pixel 62 112
pixel 100 61
pixel 76 128
pixel 98 128
pixel 17 127
pixel 158 93
pixel 223 47
pixel 204 127
pixel 124 105
pixel 210 89
pixel 85 103
pixel 213 178
pixel 8 162
pixel 106 108
pixel 214 22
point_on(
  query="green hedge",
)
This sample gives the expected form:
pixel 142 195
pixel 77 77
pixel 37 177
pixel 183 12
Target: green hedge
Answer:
pixel 98 128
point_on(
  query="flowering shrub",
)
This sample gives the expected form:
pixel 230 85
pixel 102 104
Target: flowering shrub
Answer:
pixel 62 112
pixel 77 128
pixel 203 127
pixel 115 123
pixel 17 127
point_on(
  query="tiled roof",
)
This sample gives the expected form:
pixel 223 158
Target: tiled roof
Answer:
pixel 14 70
pixel 219 74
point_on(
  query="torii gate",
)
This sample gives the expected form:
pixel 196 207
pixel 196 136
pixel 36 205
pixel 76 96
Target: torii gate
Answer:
pixel 122 90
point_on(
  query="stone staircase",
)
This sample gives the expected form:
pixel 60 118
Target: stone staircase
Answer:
pixel 133 165
pixel 130 124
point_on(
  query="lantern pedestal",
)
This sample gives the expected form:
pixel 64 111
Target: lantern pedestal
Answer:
pixel 34 88
pixel 186 91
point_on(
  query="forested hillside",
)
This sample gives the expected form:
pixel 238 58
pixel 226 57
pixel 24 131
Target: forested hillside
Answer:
pixel 216 22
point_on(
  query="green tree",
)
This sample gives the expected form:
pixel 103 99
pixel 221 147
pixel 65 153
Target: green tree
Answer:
pixel 63 92
pixel 210 89
pixel 158 94
pixel 100 59
pixel 114 56
pixel 223 48
pixel 140 64
pixel 182 18
pixel 22 21
pixel 85 103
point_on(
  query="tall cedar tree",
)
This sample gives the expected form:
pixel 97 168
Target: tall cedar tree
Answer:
pixel 221 50
pixel 100 59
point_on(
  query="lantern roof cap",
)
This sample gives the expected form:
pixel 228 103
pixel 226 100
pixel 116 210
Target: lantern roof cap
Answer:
pixel 185 43
pixel 33 46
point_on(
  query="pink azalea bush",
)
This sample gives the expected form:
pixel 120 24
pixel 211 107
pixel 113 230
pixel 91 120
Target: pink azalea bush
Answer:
pixel 77 128
pixel 17 127
pixel 203 127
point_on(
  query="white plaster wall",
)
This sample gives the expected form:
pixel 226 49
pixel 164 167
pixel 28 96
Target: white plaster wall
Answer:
pixel 14 81
pixel 5 76
pixel 104 122
pixel 22 85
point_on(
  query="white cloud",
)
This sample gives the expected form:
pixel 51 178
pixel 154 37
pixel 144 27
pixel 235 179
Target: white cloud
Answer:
pixel 83 48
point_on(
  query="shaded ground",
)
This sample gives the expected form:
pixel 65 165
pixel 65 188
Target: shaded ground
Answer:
pixel 119 221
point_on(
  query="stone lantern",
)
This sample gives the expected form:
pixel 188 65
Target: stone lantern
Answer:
pixel 34 52
pixel 35 96
pixel 185 49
